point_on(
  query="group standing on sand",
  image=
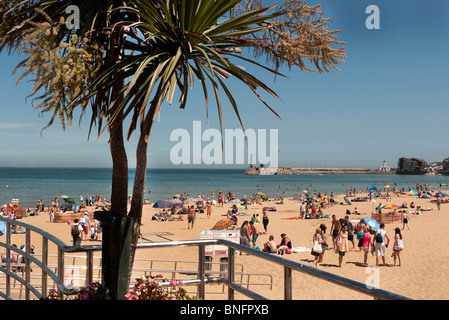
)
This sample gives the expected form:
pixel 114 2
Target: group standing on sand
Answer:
pixel 369 240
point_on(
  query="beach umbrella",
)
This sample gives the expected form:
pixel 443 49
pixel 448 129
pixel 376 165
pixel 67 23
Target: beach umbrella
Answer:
pixel 361 191
pixel 235 201
pixel 260 194
pixel 67 199
pixel 190 200
pixel 372 223
pixel 99 204
pixel 177 196
pixel 176 200
pixel 2 228
pixel 162 204
pixel 199 199
pixel 222 224
pixel 413 193
pixel 391 206
pixel 439 193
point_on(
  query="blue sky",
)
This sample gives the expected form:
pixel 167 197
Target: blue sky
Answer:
pixel 388 100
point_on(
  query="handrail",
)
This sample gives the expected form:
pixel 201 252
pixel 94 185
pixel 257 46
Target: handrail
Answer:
pixel 288 265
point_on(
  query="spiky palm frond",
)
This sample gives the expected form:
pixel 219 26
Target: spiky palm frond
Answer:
pixel 181 42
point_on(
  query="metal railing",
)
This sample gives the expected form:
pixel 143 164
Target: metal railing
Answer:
pixel 200 282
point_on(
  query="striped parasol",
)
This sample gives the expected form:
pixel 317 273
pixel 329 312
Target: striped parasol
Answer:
pixel 222 224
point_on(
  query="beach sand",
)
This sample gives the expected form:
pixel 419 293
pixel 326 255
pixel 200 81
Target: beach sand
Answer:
pixel 423 274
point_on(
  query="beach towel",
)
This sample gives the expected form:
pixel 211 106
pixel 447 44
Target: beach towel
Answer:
pixel 300 249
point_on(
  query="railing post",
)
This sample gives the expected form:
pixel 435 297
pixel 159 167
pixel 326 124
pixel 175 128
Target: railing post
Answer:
pixel 287 283
pixel 231 273
pixel 44 265
pixel 27 262
pixel 90 267
pixel 8 259
pixel 60 270
pixel 201 268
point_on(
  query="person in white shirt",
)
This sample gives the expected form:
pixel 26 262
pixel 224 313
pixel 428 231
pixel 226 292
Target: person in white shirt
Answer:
pixel 379 244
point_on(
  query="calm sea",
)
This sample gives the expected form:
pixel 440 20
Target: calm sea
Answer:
pixel 31 184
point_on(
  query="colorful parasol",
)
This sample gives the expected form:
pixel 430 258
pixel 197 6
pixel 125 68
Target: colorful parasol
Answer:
pixel 222 224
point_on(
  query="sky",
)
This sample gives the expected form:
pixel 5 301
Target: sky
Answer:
pixel 388 100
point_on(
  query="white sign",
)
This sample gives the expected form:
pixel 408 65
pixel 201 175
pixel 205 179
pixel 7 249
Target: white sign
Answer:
pixel 219 250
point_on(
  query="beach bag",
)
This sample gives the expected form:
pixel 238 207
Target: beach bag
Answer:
pixel 379 238
pixel 399 245
pixel 317 248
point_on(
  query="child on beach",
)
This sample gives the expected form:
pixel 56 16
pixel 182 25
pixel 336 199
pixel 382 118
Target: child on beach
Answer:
pixel 398 246
pixel 93 232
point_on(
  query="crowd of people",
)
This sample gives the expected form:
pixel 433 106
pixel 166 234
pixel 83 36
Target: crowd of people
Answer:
pixel 368 240
pixel 344 235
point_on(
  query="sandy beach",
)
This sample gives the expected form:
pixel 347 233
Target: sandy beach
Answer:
pixel 422 275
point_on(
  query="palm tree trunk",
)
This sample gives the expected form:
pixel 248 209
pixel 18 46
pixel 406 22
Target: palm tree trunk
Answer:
pixel 137 198
pixel 116 229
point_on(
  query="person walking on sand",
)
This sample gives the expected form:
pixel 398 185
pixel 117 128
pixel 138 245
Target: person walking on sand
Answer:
pixel 398 246
pixel 335 228
pixel 379 244
pixel 405 219
pixel 208 210
pixel 265 220
pixel 350 231
pixel 317 239
pixel 244 234
pixel 366 240
pixel 438 201
pixel 343 244
pixel 76 229
pixel 254 232
pixel 191 214
pixel 324 244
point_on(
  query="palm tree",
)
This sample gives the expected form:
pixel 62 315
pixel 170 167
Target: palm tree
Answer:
pixel 141 52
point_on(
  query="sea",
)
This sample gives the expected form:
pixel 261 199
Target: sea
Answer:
pixel 29 185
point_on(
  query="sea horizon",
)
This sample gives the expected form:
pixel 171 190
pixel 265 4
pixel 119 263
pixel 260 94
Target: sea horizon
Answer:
pixel 30 185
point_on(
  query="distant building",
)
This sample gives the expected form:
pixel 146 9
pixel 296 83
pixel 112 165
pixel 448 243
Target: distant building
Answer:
pixel 411 166
pixel 384 167
pixel 445 167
